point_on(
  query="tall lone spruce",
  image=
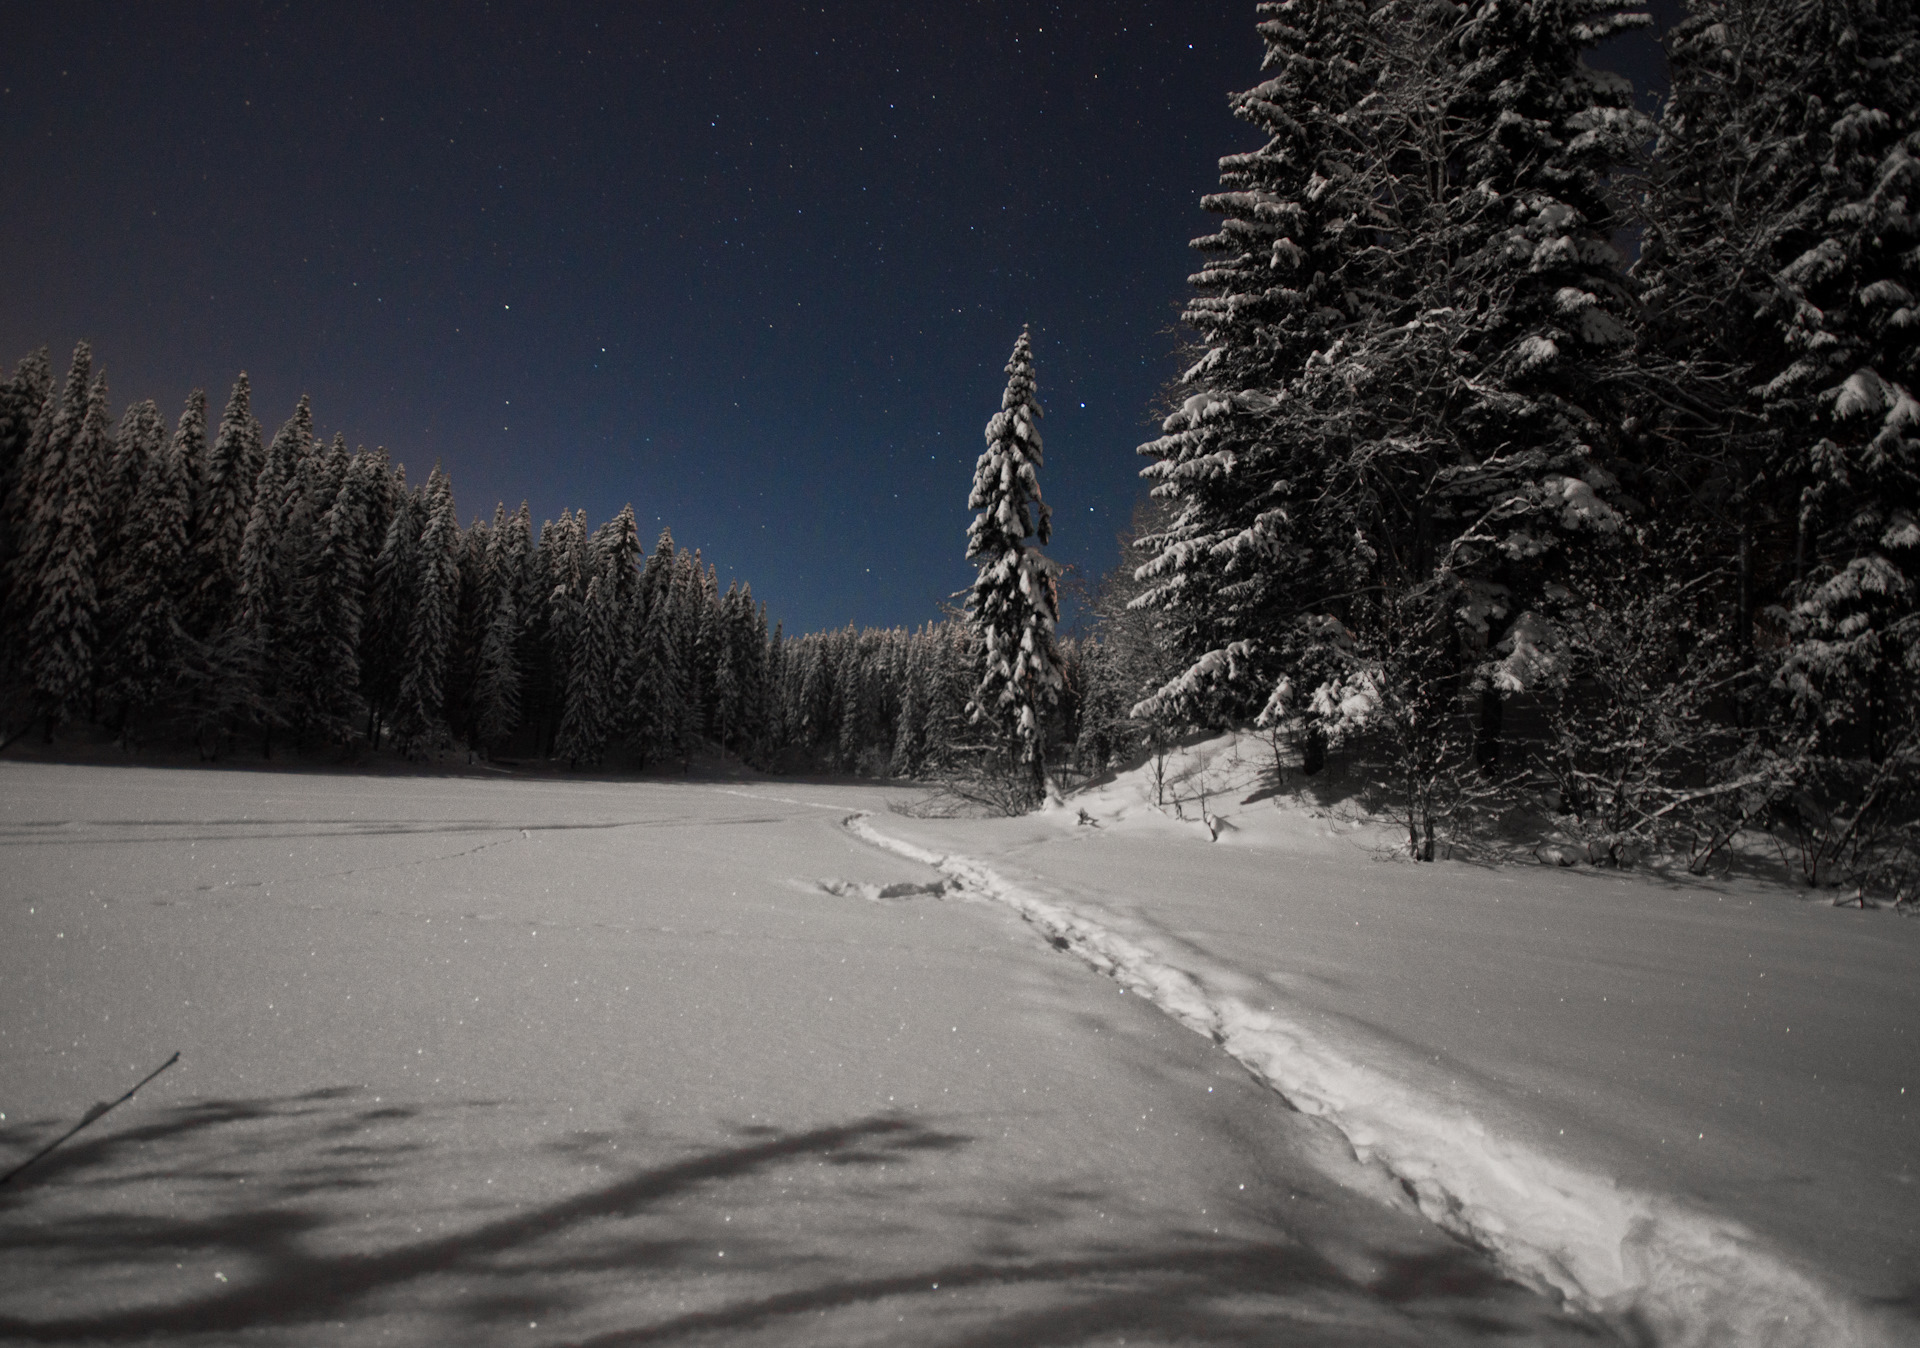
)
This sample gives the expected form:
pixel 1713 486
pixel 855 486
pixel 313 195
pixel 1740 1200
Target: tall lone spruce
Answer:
pixel 1013 605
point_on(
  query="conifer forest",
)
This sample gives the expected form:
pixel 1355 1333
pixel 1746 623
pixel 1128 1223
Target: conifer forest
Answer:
pixel 1533 453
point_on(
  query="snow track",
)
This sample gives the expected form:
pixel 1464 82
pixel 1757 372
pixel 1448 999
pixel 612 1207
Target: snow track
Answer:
pixel 1659 1270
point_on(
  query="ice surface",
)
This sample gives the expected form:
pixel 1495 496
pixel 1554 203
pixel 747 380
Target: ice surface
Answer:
pixel 1686 1106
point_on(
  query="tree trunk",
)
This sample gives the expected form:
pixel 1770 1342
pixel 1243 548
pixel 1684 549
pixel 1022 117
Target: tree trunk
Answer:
pixel 1487 741
pixel 1313 751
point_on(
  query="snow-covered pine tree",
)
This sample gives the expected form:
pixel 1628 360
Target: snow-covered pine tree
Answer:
pixel 470 608
pixel 656 709
pixel 909 727
pixel 727 680
pixel 21 398
pixel 324 637
pixel 1252 535
pixel 855 715
pixel 26 401
pixel 1783 265
pixel 496 695
pixel 42 484
pixel 266 566
pixel 565 547
pixel 1128 659
pixel 393 597
pixel 1383 465
pixel 61 636
pixel 419 725
pixel 587 720
pixel 223 501
pixel 620 554
pixel 141 436
pixel 1012 604
pixel 536 649
pixel 693 647
pixel 144 653
pixel 773 736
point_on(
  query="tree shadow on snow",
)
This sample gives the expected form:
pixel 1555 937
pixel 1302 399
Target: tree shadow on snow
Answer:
pixel 294 1216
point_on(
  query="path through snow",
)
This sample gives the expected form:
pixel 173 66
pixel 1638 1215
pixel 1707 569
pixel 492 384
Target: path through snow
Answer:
pixel 1241 944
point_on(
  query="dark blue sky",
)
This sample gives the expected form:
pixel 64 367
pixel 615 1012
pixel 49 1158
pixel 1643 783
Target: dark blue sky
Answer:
pixel 753 267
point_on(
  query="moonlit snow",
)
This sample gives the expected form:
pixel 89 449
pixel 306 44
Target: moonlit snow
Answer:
pixel 477 1059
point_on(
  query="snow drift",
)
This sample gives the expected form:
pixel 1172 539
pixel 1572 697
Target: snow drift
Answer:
pixel 1654 1266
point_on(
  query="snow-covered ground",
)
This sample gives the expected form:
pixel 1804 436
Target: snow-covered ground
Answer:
pixel 1689 1106
pixel 488 1060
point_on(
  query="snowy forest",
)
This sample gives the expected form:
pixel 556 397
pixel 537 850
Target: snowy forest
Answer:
pixel 287 592
pixel 1532 453
pixel 1453 485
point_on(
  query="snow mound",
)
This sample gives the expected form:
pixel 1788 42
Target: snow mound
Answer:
pixel 1223 788
pixel 859 889
pixel 1660 1270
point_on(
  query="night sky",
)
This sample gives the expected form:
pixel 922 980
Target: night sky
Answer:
pixel 754 267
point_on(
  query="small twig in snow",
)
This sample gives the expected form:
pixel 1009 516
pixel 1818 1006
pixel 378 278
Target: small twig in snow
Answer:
pixel 99 1109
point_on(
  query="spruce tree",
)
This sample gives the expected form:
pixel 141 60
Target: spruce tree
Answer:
pixel 1251 526
pixel 141 436
pixel 21 399
pixel 393 597
pixel 655 710
pixel 223 502
pixel 419 727
pixel 728 675
pixel 534 646
pixel 1401 431
pixel 44 466
pixel 587 720
pixel 496 696
pixel 324 630
pixel 62 633
pixel 621 556
pixel 1782 267
pixel 1013 605
pixel 25 402
pixel 144 609
pixel 266 565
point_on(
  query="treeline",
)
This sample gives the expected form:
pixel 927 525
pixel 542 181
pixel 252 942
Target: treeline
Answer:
pixel 1448 483
pixel 227 589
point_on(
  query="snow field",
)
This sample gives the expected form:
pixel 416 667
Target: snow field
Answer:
pixel 543 1062
pixel 1659 1266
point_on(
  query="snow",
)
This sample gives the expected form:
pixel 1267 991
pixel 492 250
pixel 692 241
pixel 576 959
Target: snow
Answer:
pixel 478 1059
pixel 1686 1106
pixel 486 1059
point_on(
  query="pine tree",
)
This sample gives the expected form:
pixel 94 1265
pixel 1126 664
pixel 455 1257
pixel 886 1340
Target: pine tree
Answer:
pixel 1402 429
pixel 61 635
pixel 145 652
pixel 141 437
pixel 21 399
pixel 419 727
pixel 324 631
pixel 26 402
pixel 268 560
pixel 1783 269
pixel 1012 604
pixel 496 697
pixel 587 720
pixel 44 465
pixel 223 503
pixel 471 608
pixel 534 646
pixel 1253 524
pixel 620 556
pixel 393 597
pixel 656 710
